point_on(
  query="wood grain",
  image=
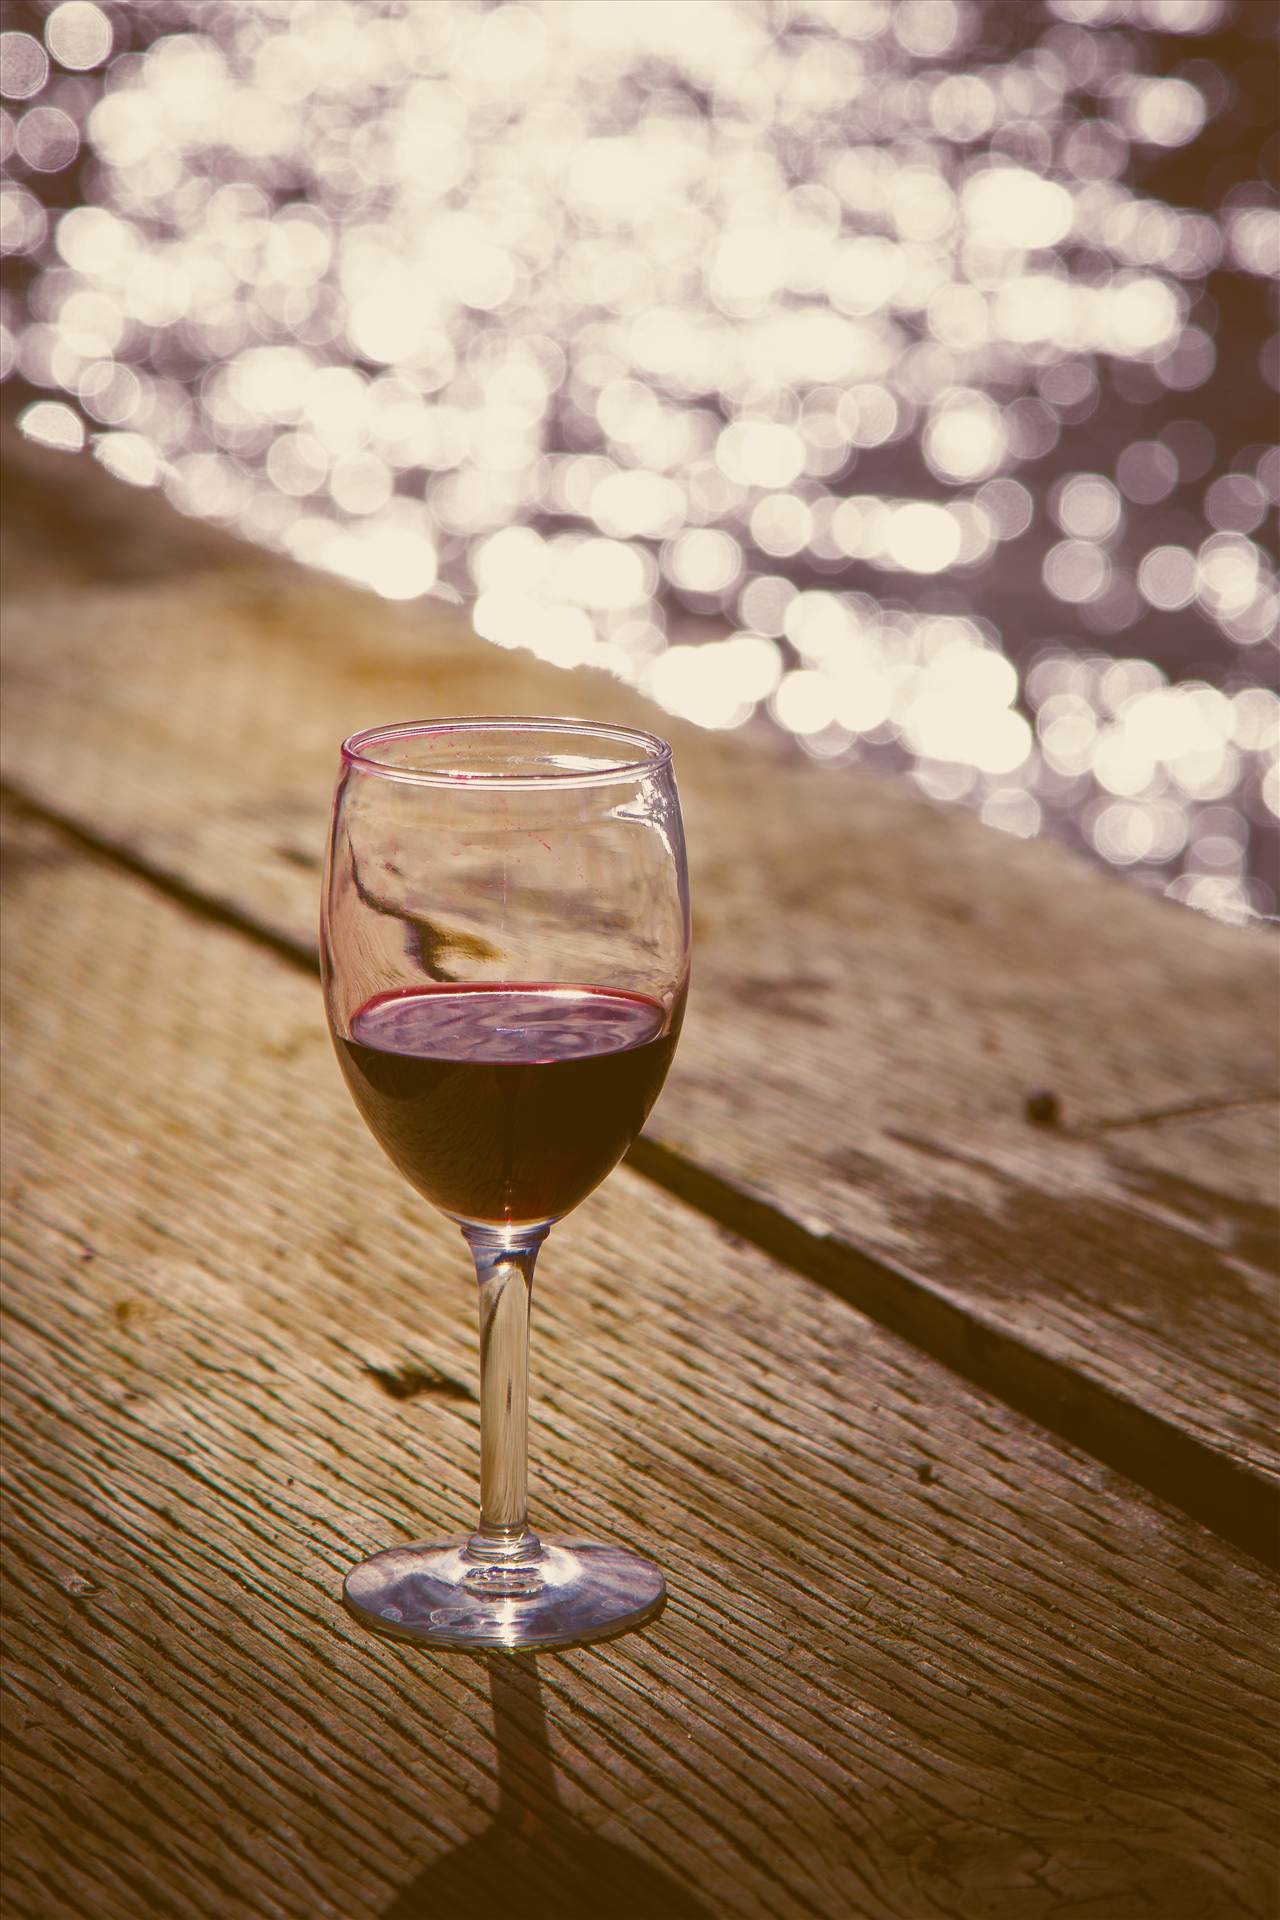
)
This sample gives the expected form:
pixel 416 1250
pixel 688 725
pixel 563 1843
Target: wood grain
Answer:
pixel 880 984
pixel 919 1660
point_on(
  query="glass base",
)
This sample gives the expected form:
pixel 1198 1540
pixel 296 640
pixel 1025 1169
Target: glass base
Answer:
pixel 433 1593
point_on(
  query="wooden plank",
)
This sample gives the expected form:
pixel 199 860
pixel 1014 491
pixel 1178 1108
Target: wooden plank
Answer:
pixel 879 985
pixel 67 522
pixel 919 1660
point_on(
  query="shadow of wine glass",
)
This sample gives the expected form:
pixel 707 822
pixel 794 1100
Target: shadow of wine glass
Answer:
pixel 536 1852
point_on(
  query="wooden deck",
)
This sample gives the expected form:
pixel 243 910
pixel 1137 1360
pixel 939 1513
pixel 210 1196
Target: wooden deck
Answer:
pixel 954 1431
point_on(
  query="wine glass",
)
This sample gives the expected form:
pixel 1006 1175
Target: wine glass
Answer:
pixel 505 951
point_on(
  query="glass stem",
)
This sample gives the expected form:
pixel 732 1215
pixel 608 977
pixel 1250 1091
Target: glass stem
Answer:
pixel 504 1270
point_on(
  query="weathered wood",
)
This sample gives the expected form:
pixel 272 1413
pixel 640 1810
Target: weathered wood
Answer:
pixel 879 985
pixel 66 522
pixel 919 1659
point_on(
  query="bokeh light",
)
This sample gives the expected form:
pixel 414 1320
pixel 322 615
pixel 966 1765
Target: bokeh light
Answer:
pixel 1167 578
pixel 855 369
pixel 24 66
pixel 78 34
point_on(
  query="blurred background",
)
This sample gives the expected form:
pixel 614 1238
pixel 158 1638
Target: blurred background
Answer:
pixel 896 375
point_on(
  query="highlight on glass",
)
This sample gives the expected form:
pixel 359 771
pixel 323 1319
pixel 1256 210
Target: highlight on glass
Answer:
pixel 505 952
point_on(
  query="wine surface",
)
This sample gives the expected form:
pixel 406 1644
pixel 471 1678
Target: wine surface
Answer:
pixel 507 1103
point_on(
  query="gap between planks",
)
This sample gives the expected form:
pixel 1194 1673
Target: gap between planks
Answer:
pixel 1241 1507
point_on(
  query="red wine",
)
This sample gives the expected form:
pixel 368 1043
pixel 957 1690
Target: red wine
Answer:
pixel 507 1103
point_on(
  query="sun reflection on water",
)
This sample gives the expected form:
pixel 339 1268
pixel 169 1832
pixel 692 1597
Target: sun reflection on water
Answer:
pixel 612 318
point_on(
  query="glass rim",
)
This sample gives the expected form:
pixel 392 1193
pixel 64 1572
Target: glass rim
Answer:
pixel 650 753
